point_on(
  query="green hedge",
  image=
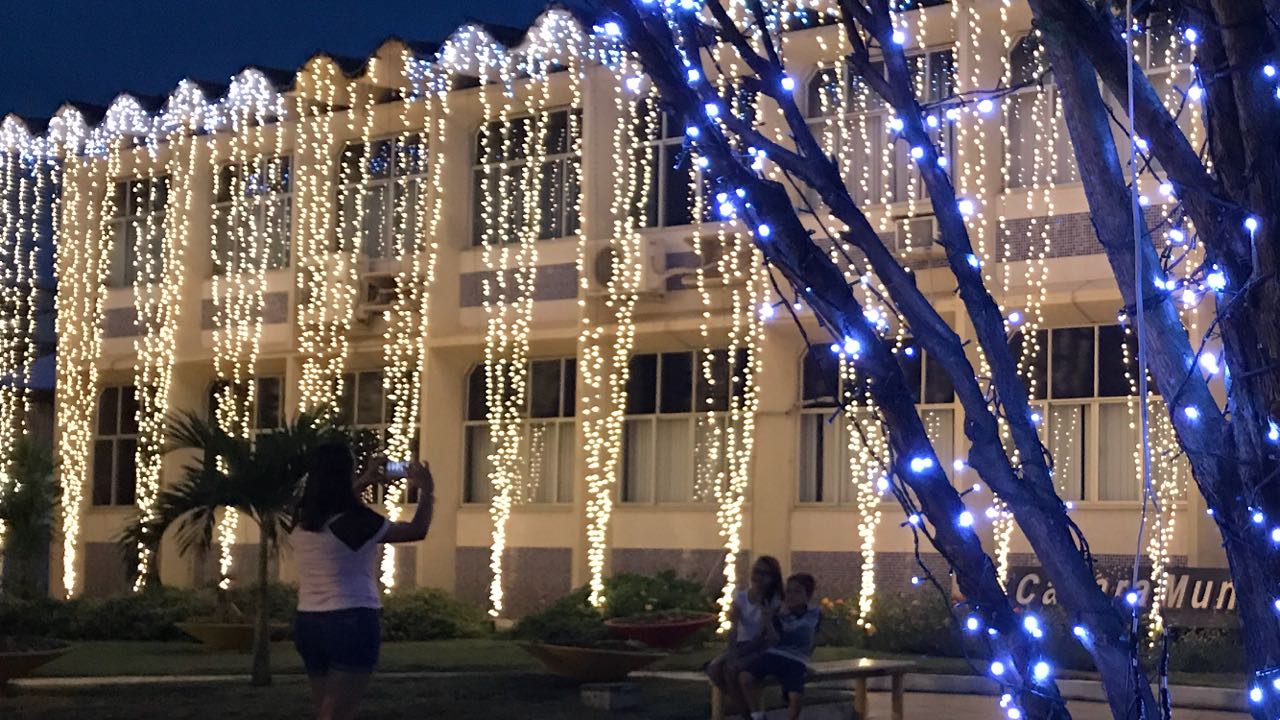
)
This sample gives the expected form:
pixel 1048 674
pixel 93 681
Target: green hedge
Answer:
pixel 920 624
pixel 430 615
pixel 572 621
pixel 152 614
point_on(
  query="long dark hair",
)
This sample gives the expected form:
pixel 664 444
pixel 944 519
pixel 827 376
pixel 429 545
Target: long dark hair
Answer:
pixel 329 486
pixel 773 568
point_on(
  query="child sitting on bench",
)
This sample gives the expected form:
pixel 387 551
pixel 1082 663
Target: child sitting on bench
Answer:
pixel 788 658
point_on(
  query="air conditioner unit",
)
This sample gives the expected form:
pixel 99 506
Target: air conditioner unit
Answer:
pixel 712 254
pixel 653 267
pixel 377 294
pixel 916 236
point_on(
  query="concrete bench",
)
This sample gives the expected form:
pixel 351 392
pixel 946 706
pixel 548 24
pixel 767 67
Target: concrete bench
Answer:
pixel 859 670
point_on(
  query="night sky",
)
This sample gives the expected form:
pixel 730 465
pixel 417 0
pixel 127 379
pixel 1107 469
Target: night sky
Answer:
pixel 52 51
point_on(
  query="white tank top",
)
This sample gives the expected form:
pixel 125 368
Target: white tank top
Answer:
pixel 750 617
pixel 332 576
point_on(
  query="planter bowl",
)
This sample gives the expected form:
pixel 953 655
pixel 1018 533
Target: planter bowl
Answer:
pixel 226 636
pixel 23 662
pixel 590 665
pixel 665 635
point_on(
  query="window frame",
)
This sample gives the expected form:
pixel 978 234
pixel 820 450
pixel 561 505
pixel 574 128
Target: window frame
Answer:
pixel 413 183
pixel 565 421
pixel 809 410
pixel 873 118
pixel 570 220
pixel 127 223
pixel 279 250
pixel 120 439
pixel 693 417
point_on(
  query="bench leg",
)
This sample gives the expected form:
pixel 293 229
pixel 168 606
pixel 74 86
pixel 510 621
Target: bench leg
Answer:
pixel 860 698
pixel 717 703
pixel 897 696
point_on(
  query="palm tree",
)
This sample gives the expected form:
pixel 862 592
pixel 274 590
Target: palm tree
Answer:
pixel 260 478
pixel 27 506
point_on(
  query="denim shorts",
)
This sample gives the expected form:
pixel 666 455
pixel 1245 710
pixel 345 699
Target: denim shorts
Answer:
pixel 790 673
pixel 338 640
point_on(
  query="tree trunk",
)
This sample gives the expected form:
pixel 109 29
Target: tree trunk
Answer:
pixel 262 618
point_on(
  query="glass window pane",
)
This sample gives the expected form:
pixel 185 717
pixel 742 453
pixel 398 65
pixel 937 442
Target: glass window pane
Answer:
pixel 369 398
pixel 710 463
pixel 811 458
pixel 477 405
pixel 128 411
pixel 544 389
pixel 277 239
pixel 1034 357
pixel 347 399
pixel 476 489
pixel 937 383
pixel 109 411
pixel 913 367
pixel 374 231
pixel 637 461
pixel 1072 350
pixel 103 459
pixel 939 426
pixel 1115 376
pixel 677 171
pixel 551 196
pixel 673 471
pixel 642 385
pixel 570 388
pixel 677 383
pixel 269 403
pixel 1117 474
pixel 565 463
pixel 820 377
pixel 713 394
pixel 126 471
pixel 1066 431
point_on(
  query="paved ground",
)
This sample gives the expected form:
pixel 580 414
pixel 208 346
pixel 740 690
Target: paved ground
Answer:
pixel 929 706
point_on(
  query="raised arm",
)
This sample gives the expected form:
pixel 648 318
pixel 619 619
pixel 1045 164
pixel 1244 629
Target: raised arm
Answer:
pixel 419 476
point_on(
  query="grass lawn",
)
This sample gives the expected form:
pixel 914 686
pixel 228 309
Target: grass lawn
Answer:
pixel 520 695
pixel 487 655
pixel 490 655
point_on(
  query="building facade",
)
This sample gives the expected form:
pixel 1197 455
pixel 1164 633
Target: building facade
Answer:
pixel 378 233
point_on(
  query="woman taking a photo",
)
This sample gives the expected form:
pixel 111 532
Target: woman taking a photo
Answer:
pixel 335 542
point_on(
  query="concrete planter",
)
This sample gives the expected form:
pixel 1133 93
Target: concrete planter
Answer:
pixel 22 663
pixel 665 635
pixel 237 637
pixel 590 665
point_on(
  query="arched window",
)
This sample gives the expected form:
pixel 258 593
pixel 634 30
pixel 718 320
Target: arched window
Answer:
pixel 826 474
pixel 849 119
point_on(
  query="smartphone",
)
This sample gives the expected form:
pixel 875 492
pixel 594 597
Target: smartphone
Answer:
pixel 397 470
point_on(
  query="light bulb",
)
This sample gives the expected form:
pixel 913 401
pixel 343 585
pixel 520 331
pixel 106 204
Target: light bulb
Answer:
pixel 1040 671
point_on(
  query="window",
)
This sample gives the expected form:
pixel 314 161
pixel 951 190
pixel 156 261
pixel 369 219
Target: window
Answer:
pixel 1038 149
pixel 267 408
pixel 363 405
pixel 394 183
pixel 259 222
pixel 501 154
pixel 1087 420
pixel 826 475
pixel 547 435
pixel 137 231
pixel 668 200
pixel 881 166
pixel 115 443
pixel 672 445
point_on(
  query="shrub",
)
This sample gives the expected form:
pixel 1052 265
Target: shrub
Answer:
pixel 282 600
pixel 1195 650
pixel 633 594
pixel 147 615
pixel 430 615
pixel 568 621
